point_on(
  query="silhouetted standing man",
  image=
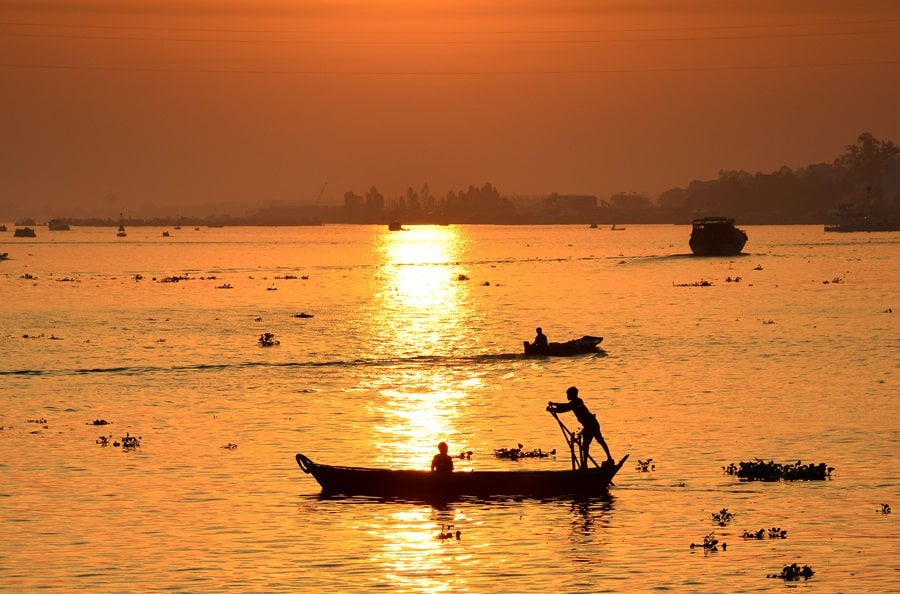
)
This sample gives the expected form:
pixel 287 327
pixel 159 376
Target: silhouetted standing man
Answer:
pixel 589 423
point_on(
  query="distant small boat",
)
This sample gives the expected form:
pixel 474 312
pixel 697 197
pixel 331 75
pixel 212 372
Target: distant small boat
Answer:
pixel 614 228
pixel 24 232
pixel 57 225
pixel 716 236
pixel 165 233
pixel 3 228
pixel 121 232
pixel 303 315
pixel 4 255
pixel 395 226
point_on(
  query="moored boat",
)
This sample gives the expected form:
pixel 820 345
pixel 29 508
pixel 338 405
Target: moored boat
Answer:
pixel 853 218
pixel 716 236
pixel 24 232
pixel 576 346
pixel 425 485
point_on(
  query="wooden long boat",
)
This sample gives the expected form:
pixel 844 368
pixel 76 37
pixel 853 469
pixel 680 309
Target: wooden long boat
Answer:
pixel 577 346
pixel 424 485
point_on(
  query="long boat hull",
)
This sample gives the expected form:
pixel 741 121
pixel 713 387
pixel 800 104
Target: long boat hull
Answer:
pixel 423 485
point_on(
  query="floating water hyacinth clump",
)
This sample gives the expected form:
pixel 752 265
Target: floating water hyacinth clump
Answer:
pixel 722 517
pixel 759 470
pixel 645 465
pixel 447 532
pixel 129 442
pixel 762 533
pixel 699 283
pixel 710 544
pixel 518 452
pixel 268 339
pixel 793 573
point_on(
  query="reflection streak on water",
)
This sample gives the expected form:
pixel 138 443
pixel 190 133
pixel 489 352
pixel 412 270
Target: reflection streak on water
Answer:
pixel 412 553
pixel 422 302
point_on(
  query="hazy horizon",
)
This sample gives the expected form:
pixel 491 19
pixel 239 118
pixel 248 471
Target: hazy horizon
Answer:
pixel 110 108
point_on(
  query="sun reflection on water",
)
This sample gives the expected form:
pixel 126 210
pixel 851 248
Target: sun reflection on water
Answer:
pixel 422 320
pixel 412 552
pixel 422 299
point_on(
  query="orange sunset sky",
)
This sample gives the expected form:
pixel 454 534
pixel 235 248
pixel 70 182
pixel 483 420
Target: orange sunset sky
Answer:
pixel 111 106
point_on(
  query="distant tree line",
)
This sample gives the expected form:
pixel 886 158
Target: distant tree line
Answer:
pixel 867 173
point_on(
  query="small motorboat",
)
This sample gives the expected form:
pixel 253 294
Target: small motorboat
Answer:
pixel 24 232
pixel 576 346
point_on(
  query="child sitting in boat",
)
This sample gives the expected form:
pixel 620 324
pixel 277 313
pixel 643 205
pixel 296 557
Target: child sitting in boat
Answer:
pixel 442 462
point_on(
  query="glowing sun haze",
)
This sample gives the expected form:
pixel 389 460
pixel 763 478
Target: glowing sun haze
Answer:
pixel 145 106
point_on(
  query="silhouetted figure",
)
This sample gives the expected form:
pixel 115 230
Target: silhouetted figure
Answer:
pixel 540 340
pixel 442 462
pixel 589 423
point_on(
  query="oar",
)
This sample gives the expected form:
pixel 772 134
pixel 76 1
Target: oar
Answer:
pixel 571 439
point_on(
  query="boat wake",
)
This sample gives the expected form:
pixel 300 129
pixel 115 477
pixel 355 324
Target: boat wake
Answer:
pixel 139 370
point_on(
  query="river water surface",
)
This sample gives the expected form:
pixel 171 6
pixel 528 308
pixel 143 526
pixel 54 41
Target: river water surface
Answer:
pixel 787 352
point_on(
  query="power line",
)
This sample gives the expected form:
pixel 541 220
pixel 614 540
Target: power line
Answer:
pixel 453 42
pixel 573 72
pixel 439 32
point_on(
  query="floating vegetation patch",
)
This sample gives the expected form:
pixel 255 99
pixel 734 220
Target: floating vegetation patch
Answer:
pixel 448 533
pixel 229 446
pixel 645 465
pixel 41 421
pixel 710 544
pixel 722 517
pixel 700 283
pixel 762 533
pixel 793 573
pixel 736 279
pixel 759 470
pixel 128 443
pixel 268 339
pixel 465 455
pixel 518 452
pixel 98 422
pixel 885 509
pixel 174 279
pixel 225 286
